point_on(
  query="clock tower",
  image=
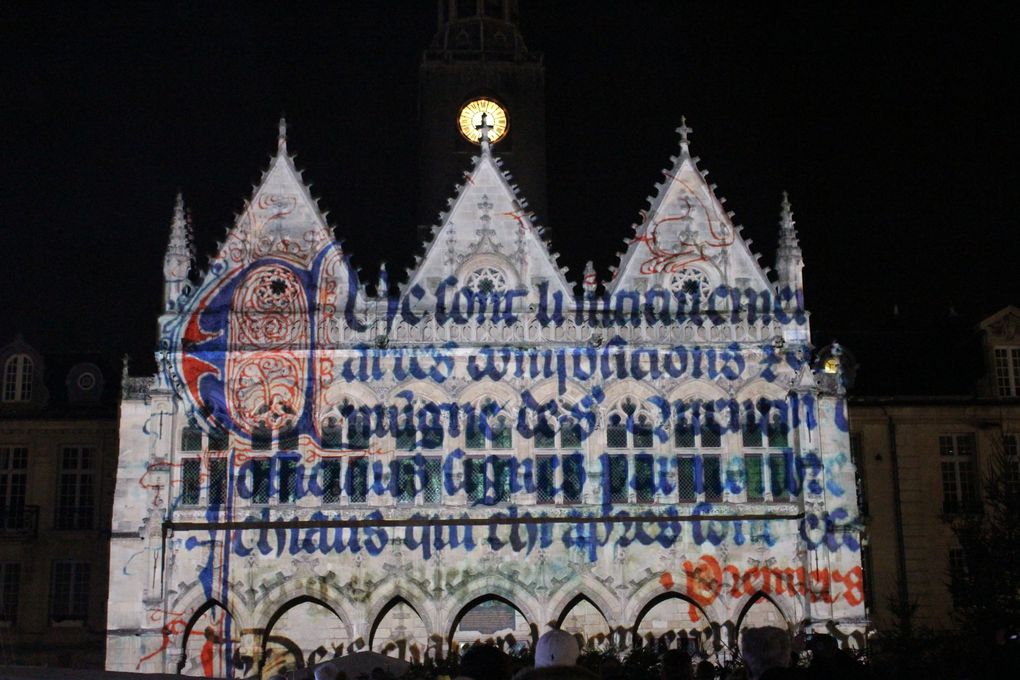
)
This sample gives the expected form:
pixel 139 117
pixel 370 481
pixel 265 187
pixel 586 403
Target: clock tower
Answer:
pixel 478 64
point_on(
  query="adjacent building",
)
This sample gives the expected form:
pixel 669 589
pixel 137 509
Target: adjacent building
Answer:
pixel 923 459
pixel 58 455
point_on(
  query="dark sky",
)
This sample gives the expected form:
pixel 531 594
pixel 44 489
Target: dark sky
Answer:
pixel 893 129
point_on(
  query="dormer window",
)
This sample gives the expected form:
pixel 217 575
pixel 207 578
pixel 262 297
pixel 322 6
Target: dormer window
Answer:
pixel 18 372
pixel 1007 371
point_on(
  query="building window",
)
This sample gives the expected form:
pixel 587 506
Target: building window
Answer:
pixel 487 480
pixel 780 476
pixel 359 428
pixel 18 372
pixel 191 437
pixel 260 470
pixel 13 482
pixel 70 596
pixel 699 475
pixel 330 480
pixel 754 477
pixel 488 428
pixel 288 440
pixel 857 458
pixel 545 479
pixel 75 498
pixel 217 481
pixel 711 477
pixel 356 482
pixel 956 454
pixel 644 477
pixel 191 481
pixel 261 439
pixel 687 487
pixel 957 564
pixel 219 440
pixel 10 584
pixel 614 479
pixel 555 433
pixel 332 434
pixel 629 427
pixel 288 478
pixel 1007 371
pixel 573 478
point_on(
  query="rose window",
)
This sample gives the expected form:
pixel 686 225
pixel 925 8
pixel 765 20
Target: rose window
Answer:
pixel 487 280
pixel 690 282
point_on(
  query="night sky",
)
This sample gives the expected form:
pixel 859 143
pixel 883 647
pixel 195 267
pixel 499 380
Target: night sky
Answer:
pixel 892 128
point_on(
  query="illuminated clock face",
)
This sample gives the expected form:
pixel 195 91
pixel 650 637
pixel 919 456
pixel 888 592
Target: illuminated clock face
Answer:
pixel 471 118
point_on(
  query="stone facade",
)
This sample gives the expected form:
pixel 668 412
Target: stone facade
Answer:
pixel 320 466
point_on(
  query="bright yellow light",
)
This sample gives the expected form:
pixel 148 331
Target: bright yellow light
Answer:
pixel 831 365
pixel 471 118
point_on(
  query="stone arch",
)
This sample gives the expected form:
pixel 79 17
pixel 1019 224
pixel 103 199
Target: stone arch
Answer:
pixel 208 606
pixel 665 597
pixel 697 389
pixel 621 389
pixel 194 598
pixel 488 595
pixel 601 597
pixel 758 598
pixel 288 606
pixel 377 616
pixel 653 587
pixel 589 633
pixel 500 262
pixel 320 589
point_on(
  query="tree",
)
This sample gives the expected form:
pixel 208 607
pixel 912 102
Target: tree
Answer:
pixel 985 583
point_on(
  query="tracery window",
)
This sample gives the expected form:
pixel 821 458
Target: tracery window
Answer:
pixel 697 428
pixel 421 417
pixel 629 426
pixel 417 475
pixel 489 426
pixel 487 281
pixel 18 372
pixel 563 432
pixel 691 282
pixel 191 437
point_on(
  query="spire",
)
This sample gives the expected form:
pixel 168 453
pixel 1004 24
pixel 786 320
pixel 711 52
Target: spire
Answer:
pixel 179 256
pixel 589 280
pixel 789 258
pixel 281 139
pixel 382 286
pixel 684 131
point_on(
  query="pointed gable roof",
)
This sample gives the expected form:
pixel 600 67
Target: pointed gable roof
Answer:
pixel 488 240
pixel 686 237
pixel 282 219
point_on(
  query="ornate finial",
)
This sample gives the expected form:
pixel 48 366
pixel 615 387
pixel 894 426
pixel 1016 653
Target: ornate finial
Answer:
pixel 684 131
pixel 382 286
pixel 281 139
pixel 589 280
pixel 483 132
pixel 786 213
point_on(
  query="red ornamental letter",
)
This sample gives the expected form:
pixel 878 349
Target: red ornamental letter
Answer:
pixel 854 582
pixel 704 581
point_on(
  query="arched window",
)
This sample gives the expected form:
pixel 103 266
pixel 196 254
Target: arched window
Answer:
pixel 489 426
pixel 558 432
pixel 18 378
pixel 629 427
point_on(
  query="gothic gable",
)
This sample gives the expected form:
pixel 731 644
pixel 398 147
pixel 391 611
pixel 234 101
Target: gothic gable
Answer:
pixel 686 241
pixel 488 242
